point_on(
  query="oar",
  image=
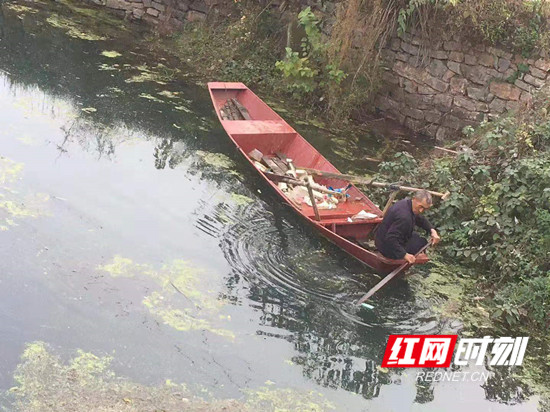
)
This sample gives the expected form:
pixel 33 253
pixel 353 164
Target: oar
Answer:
pixel 389 277
pixel 369 182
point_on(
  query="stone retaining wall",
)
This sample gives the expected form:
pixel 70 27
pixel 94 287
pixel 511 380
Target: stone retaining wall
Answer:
pixel 171 13
pixel 440 88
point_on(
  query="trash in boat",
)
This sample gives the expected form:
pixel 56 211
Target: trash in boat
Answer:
pixel 362 215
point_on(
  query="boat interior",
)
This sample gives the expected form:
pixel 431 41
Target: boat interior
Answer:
pixel 265 131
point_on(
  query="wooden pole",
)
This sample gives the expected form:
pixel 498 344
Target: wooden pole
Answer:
pixel 389 277
pixel 369 182
pixel 313 204
pixel 389 202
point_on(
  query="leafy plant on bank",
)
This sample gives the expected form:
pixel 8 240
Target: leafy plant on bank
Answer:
pixel 309 71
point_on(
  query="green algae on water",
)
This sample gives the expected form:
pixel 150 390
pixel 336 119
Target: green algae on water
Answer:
pixel 179 301
pixel 20 9
pixel 72 28
pixel 217 160
pixel 111 54
pixel 15 205
pixel 241 200
pixel 87 382
pixel 150 97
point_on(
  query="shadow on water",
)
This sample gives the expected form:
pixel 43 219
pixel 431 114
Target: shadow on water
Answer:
pixel 286 285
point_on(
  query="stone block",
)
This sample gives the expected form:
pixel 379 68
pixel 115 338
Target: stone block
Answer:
pixel 138 13
pixel 455 67
pixel 414 113
pixel 518 59
pixel 505 91
pixel 409 48
pixel 464 114
pixel 499 52
pixel 497 106
pixel 442 102
pixel 388 55
pixel 540 74
pixel 543 65
pixel 199 5
pixel 512 106
pixel 449 74
pixel 431 130
pixel 451 46
pixel 180 15
pixel 465 103
pixel 435 83
pixel 533 81
pixel 183 6
pixel 118 5
pixel 443 133
pixel 477 93
pixel 433 116
pixel 458 85
pixel 456 56
pixel 438 54
pixel 503 64
pixel 526 98
pixel 426 90
pixel 410 86
pixel 486 59
pixel 415 61
pixel 193 16
pixel 404 57
pixel 147 3
pixel 470 59
pixel 523 86
pixel 395 44
pixel 385 103
pixel 413 124
pixel 153 12
pixel 452 122
pixel 158 6
pixel 476 74
pixel 390 77
pixel 437 68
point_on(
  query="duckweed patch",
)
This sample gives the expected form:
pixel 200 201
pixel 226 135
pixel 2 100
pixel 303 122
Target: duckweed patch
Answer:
pixel 181 319
pixel 86 382
pixel 151 97
pixel 13 204
pixel 159 74
pixel 72 28
pixel 449 294
pixel 179 278
pixel 20 9
pixel 43 382
pixel 241 200
pixel 110 54
pixel 217 160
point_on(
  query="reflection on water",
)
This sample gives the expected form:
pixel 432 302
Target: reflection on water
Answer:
pixel 162 246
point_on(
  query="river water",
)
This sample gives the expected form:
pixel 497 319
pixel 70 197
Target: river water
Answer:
pixel 132 228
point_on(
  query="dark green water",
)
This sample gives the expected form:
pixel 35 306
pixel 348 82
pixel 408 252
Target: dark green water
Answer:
pixel 131 227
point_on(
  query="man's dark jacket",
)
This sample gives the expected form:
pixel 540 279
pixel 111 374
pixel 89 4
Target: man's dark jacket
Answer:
pixel 397 229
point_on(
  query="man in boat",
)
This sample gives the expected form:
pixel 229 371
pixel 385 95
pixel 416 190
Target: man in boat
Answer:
pixel 395 237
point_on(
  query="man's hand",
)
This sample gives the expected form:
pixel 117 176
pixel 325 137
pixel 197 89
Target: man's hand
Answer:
pixel 409 258
pixel 435 237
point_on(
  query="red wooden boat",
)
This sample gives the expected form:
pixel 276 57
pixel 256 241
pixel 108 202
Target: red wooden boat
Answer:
pixel 267 132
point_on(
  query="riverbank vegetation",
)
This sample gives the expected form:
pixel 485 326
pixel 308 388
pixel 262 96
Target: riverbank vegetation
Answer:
pixel 327 58
pixel 496 224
